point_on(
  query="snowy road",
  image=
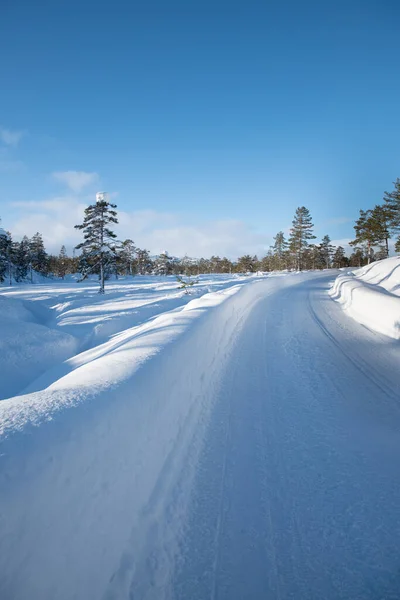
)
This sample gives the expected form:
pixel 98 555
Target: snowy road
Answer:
pixel 243 447
pixel 297 491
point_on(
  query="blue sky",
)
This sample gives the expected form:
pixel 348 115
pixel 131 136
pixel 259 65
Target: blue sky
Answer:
pixel 209 122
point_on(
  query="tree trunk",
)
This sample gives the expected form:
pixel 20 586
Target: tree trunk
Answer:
pixel 101 290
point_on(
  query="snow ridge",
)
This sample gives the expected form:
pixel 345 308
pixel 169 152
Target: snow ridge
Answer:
pixel 370 295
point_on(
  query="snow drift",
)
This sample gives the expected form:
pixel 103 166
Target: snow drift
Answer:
pixel 27 347
pixel 370 295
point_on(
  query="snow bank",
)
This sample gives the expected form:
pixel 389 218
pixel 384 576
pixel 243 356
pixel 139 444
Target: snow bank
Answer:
pixel 370 295
pixel 84 462
pixel 27 348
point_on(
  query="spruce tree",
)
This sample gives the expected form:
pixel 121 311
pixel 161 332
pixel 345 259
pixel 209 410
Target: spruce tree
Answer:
pixel 98 246
pixel 300 234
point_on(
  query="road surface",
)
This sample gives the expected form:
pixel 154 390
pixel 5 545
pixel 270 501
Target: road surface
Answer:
pixel 296 493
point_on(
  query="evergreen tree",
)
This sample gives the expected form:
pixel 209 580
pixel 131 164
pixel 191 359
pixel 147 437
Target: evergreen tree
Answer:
pixel 215 264
pixel 300 234
pixel 339 259
pixel 143 262
pixel 365 229
pixel 280 251
pixel 326 252
pixel 268 262
pixel 392 200
pixel 98 247
pixel 22 259
pixel 247 264
pixel 380 219
pixel 163 264
pixel 225 265
pixel 62 263
pixel 358 258
pixel 127 257
pixel 38 255
pixel 5 256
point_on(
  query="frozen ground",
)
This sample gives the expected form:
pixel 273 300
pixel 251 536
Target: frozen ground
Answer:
pixel 244 445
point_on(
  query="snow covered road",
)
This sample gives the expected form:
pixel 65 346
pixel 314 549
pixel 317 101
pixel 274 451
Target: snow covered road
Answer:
pixel 297 492
pixel 266 465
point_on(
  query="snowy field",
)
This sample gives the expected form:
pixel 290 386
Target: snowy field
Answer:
pixel 240 442
pixel 43 325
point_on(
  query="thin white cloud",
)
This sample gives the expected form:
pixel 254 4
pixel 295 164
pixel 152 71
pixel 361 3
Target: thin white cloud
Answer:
pixel 76 180
pixel 156 231
pixel 10 138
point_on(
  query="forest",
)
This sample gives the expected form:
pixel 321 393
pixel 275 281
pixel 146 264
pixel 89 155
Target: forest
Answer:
pixel 102 253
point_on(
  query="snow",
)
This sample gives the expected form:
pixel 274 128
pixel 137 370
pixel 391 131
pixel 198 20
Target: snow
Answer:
pixel 44 324
pixel 238 443
pixel 370 295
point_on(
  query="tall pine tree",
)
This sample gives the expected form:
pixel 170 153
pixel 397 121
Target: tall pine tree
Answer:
pixel 300 234
pixel 98 247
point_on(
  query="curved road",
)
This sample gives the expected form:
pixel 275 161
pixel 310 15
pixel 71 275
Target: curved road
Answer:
pixel 297 488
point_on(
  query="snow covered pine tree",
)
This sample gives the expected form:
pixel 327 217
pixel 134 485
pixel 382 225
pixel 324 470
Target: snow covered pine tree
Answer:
pixel 98 247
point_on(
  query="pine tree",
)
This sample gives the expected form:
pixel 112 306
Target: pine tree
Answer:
pixel 215 263
pixel 22 259
pixel 143 261
pixel 339 260
pixel 379 221
pixel 38 255
pixel 127 256
pixel 358 258
pixel 326 252
pixel 225 265
pixel 62 263
pixel 163 264
pixel 98 247
pixel 392 200
pixel 268 262
pixel 280 250
pixel 367 233
pixel 247 264
pixel 300 234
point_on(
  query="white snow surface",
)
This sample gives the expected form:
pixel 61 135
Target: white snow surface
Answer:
pixel 371 295
pixel 239 444
pixel 42 325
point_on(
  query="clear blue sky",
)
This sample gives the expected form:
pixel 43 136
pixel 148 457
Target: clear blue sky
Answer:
pixel 210 120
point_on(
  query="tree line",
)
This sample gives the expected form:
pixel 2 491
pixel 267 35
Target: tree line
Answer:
pixel 101 253
pixel 376 226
